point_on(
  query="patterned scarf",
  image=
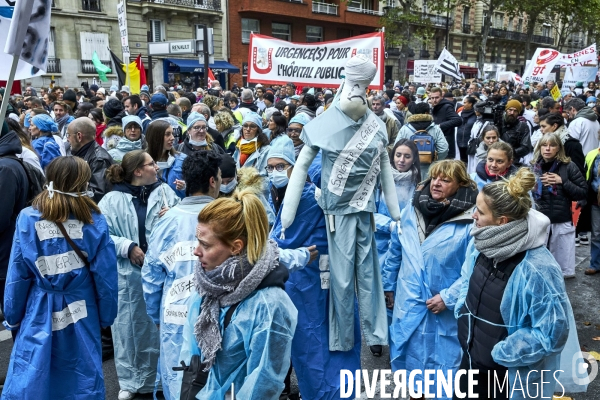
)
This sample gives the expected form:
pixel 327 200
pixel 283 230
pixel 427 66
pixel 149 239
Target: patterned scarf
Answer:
pixel 436 212
pixel 501 242
pixel 228 284
pixel 538 172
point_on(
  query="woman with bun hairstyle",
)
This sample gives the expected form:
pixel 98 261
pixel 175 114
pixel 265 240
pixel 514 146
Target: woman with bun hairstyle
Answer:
pixel 137 201
pixel 514 315
pixel 160 141
pixel 558 183
pixel 54 302
pixel 239 279
pixel 497 166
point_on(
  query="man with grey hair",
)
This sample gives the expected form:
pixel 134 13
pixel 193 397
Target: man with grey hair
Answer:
pixel 81 134
pixel 391 123
pixel 248 101
pixel 584 124
pixel 212 128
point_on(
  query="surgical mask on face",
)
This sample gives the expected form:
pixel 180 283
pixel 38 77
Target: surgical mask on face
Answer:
pixel 51 191
pixel 244 141
pixel 228 188
pixel 279 179
pixel 198 143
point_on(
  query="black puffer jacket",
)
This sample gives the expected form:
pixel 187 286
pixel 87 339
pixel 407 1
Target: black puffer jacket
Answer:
pixel 517 135
pixel 557 206
pixel 464 131
pixel 446 117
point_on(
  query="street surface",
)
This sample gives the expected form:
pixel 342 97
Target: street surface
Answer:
pixel 583 293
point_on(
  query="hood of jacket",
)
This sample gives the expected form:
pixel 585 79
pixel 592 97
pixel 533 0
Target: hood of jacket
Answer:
pixel 537 225
pixel 249 106
pixel 117 120
pixel 420 122
pixel 127 145
pixel 443 103
pixel 306 110
pixel 587 113
pixel 250 178
pixel 142 112
pixel 10 144
pixel 466 114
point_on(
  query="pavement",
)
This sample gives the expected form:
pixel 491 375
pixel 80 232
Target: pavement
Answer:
pixel 583 294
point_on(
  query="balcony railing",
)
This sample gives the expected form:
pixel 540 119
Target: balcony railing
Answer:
pixel 364 11
pixel 543 39
pixel 438 20
pixel 53 66
pixel 504 34
pixel 466 28
pixel 324 8
pixel 212 5
pixel 424 54
pixel 87 66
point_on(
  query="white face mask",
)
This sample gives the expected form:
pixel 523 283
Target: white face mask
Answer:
pixel 279 179
pixel 198 143
pixel 51 191
pixel 244 141
pixel 166 164
pixel 228 188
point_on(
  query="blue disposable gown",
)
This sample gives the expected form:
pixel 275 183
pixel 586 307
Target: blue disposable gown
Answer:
pixel 416 272
pixel 135 334
pixel 168 175
pixel 58 304
pixel 47 149
pixel 317 368
pixel 541 328
pixel 168 281
pixel 255 352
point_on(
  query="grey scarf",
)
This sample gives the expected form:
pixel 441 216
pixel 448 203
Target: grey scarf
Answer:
pixel 228 284
pixel 501 242
pixel 401 176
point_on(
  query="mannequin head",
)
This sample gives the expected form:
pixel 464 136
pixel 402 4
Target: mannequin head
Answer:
pixel 360 71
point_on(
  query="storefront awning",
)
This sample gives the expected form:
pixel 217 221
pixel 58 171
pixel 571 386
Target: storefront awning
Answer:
pixel 193 66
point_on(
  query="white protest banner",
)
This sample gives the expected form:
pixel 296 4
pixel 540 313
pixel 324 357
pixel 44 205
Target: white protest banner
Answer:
pixel 425 72
pixel 541 64
pixel 122 17
pixel 578 74
pixel 276 61
pixel 580 58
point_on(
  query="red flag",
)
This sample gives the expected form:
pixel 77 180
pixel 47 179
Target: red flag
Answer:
pixel 211 77
pixel 140 67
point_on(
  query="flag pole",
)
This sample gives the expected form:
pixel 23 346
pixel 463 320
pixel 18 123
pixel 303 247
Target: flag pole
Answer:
pixel 9 83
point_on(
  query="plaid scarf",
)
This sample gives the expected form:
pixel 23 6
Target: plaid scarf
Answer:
pixel 436 212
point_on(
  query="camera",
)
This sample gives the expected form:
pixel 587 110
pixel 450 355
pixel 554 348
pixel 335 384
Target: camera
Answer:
pixel 491 111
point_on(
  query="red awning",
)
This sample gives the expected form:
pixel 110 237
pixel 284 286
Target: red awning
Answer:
pixel 468 70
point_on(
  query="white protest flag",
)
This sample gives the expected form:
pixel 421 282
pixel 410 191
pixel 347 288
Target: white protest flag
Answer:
pixel 541 64
pixel 581 58
pixel 24 33
pixel 447 64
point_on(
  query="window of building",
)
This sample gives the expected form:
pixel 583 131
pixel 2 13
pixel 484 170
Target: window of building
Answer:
pixel 465 18
pixel 520 25
pixel 546 30
pixel 314 34
pixel 157 30
pixel 510 24
pixel 498 21
pixel 93 41
pixel 51 50
pixel 249 26
pixel 281 31
pixel 90 5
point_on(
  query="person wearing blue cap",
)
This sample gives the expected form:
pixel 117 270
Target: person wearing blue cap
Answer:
pixel 198 138
pixel 132 138
pixel 42 128
pixel 159 102
pixel 304 285
pixel 253 146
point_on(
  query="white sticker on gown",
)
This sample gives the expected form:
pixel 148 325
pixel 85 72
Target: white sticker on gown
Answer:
pixel 182 251
pixel 58 263
pixel 71 314
pixel 48 230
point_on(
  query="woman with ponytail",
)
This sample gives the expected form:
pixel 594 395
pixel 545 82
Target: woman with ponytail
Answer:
pixel 137 201
pixel 514 316
pixel 61 288
pixel 238 268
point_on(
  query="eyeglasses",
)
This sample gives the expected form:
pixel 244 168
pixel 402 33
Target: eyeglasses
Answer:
pixel 278 168
pixel 132 127
pixel 153 163
pixel 249 126
pixel 199 128
pixel 294 130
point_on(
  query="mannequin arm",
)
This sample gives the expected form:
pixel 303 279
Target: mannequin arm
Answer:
pixel 296 186
pixel 388 186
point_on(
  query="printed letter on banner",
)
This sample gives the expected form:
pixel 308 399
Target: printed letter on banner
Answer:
pixel 59 263
pixel 181 289
pixel 351 152
pixel 363 194
pixel 48 230
pixel 71 314
pixel 182 251
pixel 176 314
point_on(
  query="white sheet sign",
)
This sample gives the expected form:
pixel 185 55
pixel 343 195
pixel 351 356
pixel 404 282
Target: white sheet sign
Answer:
pixel 276 61
pixel 425 72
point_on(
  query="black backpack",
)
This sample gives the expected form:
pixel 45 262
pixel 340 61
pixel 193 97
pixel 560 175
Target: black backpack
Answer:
pixel 35 178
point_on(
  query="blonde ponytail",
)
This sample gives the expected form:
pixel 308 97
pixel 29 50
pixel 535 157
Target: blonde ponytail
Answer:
pixel 510 197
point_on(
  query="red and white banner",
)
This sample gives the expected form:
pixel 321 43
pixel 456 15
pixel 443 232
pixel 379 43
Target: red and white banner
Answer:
pixel 587 56
pixel 541 64
pixel 276 61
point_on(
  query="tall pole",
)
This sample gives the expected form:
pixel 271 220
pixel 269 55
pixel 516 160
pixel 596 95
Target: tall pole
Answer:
pixel 149 77
pixel 448 27
pixel 206 55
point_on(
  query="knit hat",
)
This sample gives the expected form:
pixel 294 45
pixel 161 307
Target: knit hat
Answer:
pixel 112 107
pixel 283 148
pixel 94 88
pixel 421 91
pixel 514 103
pixel 125 89
pixel 404 100
pixel 390 93
pixel 132 119
pixel 70 95
pixel 101 90
pixel 254 118
pixel 159 98
pixel 113 88
pixel 227 166
pixel 44 123
pixel 269 96
pixel 145 93
pixel 194 117
pixel 301 118
pixel 145 88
